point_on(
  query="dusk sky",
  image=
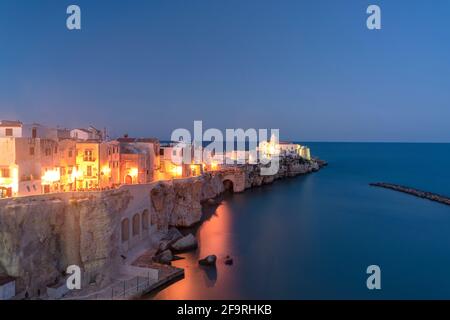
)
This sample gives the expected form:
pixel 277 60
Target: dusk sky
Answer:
pixel 310 68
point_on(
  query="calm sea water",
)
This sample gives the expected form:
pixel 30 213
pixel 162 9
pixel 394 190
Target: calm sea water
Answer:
pixel 314 236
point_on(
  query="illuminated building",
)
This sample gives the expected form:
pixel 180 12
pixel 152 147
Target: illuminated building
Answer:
pixel 66 161
pixel 87 165
pixel 173 164
pixel 22 163
pixel 289 148
pixel 138 159
pixel 305 153
pixel 268 149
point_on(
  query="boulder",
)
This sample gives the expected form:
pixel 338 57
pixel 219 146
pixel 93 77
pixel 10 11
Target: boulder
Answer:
pixel 186 243
pixel 228 260
pixel 208 261
pixel 168 239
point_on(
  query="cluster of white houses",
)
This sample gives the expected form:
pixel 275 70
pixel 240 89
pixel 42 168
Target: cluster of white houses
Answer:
pixel 35 159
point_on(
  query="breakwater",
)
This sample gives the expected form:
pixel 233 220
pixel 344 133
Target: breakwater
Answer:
pixel 415 192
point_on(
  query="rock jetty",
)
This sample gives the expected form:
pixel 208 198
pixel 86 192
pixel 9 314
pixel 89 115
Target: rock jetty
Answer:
pixel 415 192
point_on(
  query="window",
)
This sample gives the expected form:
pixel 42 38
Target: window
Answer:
pixel 5 173
pixel 89 171
pixel 9 132
pixel 31 151
pixel 70 153
pixel 88 155
pixel 34 133
pixel 48 152
pixel 161 152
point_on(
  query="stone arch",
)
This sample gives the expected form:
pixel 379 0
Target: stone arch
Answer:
pixel 228 185
pixel 136 224
pixel 145 220
pixel 236 181
pixel 125 229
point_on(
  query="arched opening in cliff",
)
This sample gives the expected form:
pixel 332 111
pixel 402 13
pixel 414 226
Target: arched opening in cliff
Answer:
pixel 125 230
pixel 145 220
pixel 228 186
pixel 136 225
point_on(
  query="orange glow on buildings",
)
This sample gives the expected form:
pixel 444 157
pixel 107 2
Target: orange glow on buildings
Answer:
pixel 133 172
pixel 177 171
pixel 50 177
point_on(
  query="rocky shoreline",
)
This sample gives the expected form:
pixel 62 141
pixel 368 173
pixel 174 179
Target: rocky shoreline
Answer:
pixel 415 192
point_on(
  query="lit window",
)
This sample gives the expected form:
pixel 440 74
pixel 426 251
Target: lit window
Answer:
pixel 5 173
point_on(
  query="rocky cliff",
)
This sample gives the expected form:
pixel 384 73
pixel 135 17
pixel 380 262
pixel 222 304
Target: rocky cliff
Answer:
pixel 178 202
pixel 40 236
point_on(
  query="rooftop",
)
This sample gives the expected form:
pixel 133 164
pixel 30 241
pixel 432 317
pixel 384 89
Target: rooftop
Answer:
pixel 10 123
pixel 129 140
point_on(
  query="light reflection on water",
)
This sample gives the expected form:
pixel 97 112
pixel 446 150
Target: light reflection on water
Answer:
pixel 214 237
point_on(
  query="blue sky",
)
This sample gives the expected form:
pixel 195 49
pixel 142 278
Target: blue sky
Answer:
pixel 310 68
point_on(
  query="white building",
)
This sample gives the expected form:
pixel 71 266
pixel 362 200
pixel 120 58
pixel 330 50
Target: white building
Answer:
pixel 305 152
pixel 289 148
pixel 10 128
pixel 90 133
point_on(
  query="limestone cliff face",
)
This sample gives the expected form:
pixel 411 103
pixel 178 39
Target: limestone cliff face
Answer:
pixel 178 202
pixel 212 185
pixel 289 167
pixel 41 236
